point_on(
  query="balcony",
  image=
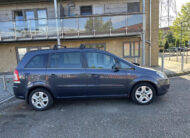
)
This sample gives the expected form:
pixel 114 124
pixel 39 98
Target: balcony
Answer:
pixel 72 28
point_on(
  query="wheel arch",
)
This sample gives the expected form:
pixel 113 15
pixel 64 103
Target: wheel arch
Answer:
pixel 142 81
pixel 38 87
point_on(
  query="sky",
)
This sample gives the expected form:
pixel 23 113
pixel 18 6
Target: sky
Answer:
pixel 179 4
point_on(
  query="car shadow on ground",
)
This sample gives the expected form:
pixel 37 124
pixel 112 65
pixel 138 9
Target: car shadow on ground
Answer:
pixel 22 106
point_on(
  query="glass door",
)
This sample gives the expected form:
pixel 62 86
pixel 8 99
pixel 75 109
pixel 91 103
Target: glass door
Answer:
pixel 42 19
pixel 30 20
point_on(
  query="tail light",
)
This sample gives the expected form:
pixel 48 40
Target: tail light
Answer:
pixel 16 76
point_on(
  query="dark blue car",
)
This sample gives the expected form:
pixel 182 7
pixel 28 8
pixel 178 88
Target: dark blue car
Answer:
pixel 46 75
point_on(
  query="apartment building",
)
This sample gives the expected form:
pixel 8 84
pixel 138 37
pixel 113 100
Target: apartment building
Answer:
pixel 116 26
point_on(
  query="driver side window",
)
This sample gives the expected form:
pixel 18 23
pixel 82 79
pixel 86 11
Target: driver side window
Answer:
pixel 124 65
pixel 99 61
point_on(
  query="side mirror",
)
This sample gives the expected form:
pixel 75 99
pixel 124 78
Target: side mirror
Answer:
pixel 116 67
pixel 137 64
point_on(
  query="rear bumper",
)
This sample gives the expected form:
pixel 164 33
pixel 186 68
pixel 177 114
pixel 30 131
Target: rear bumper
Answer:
pixel 163 87
pixel 19 92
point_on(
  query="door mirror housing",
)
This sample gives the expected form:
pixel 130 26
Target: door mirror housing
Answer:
pixel 116 67
pixel 137 64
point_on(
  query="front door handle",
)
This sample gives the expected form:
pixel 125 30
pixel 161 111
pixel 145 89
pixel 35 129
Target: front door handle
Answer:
pixel 53 75
pixel 94 75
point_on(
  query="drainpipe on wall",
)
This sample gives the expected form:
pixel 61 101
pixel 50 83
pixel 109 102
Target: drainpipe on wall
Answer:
pixel 57 25
pixel 150 48
pixel 143 35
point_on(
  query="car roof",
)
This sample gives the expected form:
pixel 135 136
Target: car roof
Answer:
pixel 31 54
pixel 64 50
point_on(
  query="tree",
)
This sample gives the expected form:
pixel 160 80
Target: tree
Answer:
pixel 89 25
pixel 177 43
pixel 186 43
pixel 166 46
pixel 171 39
pixel 181 26
pixel 161 38
pixel 99 25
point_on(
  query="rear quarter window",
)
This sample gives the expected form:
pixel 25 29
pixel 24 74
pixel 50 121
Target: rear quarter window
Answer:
pixel 38 61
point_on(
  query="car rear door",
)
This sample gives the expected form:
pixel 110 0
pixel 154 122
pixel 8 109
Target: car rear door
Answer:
pixel 66 74
pixel 33 70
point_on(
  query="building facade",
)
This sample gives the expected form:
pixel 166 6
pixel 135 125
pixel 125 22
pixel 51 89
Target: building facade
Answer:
pixel 112 25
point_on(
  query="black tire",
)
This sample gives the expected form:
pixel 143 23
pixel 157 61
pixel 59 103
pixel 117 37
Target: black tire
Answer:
pixel 133 96
pixel 46 93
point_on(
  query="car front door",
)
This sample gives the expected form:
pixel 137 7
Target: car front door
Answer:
pixel 102 78
pixel 66 75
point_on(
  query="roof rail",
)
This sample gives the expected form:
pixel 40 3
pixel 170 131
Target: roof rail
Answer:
pixel 64 46
pixel 56 47
pixel 82 46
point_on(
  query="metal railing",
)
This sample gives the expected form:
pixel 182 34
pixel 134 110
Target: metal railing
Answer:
pixel 178 61
pixel 76 27
pixel 5 81
pixel 6 89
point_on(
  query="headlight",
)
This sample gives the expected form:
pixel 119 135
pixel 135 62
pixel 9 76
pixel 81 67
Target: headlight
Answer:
pixel 161 74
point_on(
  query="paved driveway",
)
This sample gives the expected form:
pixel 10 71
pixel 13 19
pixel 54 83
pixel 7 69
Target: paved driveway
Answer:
pixel 168 116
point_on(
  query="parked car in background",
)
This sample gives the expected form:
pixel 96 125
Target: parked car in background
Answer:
pixel 182 49
pixel 172 49
pixel 46 75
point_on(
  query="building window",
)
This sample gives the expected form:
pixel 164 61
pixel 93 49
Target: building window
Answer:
pixel 131 49
pixel 21 15
pixel 133 7
pixel 21 51
pixel 86 10
pixel 98 10
pixel 18 15
pixel 97 46
pixel 42 16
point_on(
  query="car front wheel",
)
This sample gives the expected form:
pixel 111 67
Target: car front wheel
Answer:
pixel 143 93
pixel 40 99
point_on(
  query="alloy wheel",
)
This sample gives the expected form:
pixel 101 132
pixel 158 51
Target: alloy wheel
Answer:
pixel 143 94
pixel 40 100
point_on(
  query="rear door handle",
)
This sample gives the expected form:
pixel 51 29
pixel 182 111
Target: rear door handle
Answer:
pixel 26 74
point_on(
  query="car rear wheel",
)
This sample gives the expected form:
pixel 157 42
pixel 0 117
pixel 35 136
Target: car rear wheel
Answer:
pixel 143 93
pixel 40 99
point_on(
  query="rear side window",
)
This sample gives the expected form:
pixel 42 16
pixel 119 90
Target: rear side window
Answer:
pixel 65 60
pixel 39 61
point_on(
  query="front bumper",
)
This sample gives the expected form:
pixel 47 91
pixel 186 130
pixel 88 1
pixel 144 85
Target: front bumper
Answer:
pixel 163 86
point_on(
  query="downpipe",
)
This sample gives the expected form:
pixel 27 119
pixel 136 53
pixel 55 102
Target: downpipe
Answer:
pixel 150 45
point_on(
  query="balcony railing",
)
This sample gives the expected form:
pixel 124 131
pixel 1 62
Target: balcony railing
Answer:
pixel 70 28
